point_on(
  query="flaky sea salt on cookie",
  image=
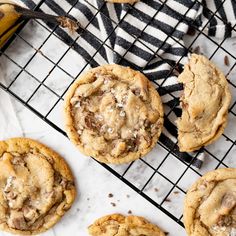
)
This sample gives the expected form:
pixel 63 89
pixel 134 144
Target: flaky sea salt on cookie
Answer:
pixel 205 102
pixel 114 114
pixel 36 187
pixel 210 205
pixel 120 225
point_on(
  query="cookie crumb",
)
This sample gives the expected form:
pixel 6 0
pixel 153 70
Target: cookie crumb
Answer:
pixel 156 189
pixel 176 192
pixel 167 200
pixel 88 199
pixel 191 31
pixel 66 22
pixel 226 60
pixel 110 195
pixel 113 204
pixel 128 196
pixel 129 212
pixel 196 50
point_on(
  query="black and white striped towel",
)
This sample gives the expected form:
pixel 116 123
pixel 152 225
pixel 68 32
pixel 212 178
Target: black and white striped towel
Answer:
pixel 146 36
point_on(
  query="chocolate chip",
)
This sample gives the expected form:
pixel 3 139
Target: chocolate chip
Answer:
pixel 129 212
pixel 91 123
pixel 167 200
pixel 225 221
pixel 196 50
pixel 226 60
pixel 132 144
pixel 113 204
pixel 17 221
pixel 57 177
pixel 136 91
pixel 191 31
pixel 110 195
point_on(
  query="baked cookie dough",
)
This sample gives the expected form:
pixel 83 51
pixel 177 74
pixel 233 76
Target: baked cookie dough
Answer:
pixel 120 225
pixel 209 208
pixel 122 1
pixel 36 186
pixel 205 102
pixel 113 114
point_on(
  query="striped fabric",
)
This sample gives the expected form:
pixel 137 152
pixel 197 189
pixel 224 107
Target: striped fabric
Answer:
pixel 146 36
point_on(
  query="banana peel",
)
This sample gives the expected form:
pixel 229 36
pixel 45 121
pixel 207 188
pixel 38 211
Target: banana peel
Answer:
pixel 13 15
pixel 9 22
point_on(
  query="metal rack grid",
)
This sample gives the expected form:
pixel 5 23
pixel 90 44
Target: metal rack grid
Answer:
pixel 148 172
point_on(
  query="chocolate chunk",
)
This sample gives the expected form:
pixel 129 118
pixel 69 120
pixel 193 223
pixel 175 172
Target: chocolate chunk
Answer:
pixel 57 177
pixel 196 50
pixel 191 31
pixel 226 60
pixel 91 123
pixel 225 221
pixel 132 144
pixel 137 91
pixel 17 221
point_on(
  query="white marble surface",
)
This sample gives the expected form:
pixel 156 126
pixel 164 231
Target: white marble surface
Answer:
pixel 93 181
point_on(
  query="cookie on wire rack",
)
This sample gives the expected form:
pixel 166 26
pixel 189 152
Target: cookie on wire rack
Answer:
pixel 205 103
pixel 114 114
pixel 37 187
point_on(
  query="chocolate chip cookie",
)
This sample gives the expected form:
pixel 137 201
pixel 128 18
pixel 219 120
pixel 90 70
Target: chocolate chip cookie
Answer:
pixel 114 114
pixel 120 225
pixel 36 185
pixel 209 208
pixel 205 102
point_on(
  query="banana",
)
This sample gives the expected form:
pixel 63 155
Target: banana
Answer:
pixel 13 15
pixel 9 21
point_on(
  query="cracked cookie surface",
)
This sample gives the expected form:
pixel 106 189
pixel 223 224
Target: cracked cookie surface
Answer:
pixel 210 204
pixel 113 114
pixel 36 185
pixel 205 102
pixel 119 225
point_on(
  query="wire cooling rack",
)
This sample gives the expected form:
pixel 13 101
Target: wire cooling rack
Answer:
pixel 31 66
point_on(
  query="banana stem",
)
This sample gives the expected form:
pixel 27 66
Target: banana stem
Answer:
pixel 63 21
